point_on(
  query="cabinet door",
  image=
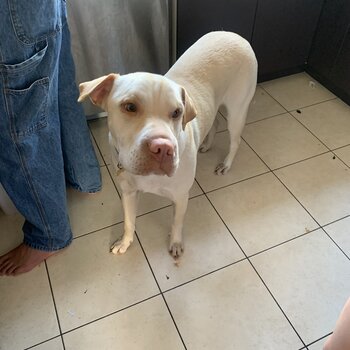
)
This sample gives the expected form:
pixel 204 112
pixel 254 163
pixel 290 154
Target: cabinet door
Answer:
pixel 329 58
pixel 197 17
pixel 340 74
pixel 283 33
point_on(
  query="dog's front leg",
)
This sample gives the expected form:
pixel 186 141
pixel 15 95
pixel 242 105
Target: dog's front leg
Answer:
pixel 129 200
pixel 176 246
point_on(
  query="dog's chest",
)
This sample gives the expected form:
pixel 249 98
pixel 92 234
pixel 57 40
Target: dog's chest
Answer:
pixel 160 185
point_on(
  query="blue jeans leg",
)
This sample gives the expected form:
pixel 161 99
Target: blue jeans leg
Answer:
pixel 81 166
pixel 31 133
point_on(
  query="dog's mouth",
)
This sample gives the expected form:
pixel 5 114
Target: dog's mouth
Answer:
pixel 165 168
pixel 152 167
pixel 157 157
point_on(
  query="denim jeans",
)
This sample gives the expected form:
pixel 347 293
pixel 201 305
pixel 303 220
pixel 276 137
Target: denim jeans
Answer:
pixel 44 138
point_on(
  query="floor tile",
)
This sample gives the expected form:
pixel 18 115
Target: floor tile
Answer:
pixel 301 276
pixel 148 201
pixel 261 213
pixel 89 282
pixel 246 164
pixel 340 232
pixel 329 121
pixel 230 309
pixel 91 212
pixel 282 140
pixel 296 91
pixel 99 129
pixel 146 326
pixel 97 152
pixel 27 310
pixel 208 244
pixel 54 344
pixel 322 185
pixel 344 154
pixel 318 345
pixel 116 300
pixel 263 106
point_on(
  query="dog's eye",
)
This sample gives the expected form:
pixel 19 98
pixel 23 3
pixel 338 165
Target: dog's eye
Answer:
pixel 130 107
pixel 176 113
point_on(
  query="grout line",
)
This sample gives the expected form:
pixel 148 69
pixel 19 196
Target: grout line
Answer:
pixel 222 114
pixel 324 337
pixel 160 290
pixel 110 314
pixel 279 306
pixel 115 185
pixel 63 344
pixel 292 194
pixel 53 297
pixel 205 274
pixel 332 222
pixel 330 237
pixel 246 257
pixel 235 183
pixel 57 318
pixel 309 130
pixel 284 242
pixel 348 166
pixel 339 148
pixel 313 104
pixel 255 270
pixel 43 342
pixel 265 118
pixel 204 193
pixel 97 230
pixel 301 160
pixel 290 113
pixel 301 107
pixel 97 145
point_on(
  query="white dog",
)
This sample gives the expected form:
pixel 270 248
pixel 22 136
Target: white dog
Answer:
pixel 158 123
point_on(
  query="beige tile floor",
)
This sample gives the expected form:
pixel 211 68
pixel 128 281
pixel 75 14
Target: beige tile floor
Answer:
pixel 267 247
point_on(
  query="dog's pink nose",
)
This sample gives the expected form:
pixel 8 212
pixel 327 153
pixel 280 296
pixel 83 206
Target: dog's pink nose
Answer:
pixel 161 149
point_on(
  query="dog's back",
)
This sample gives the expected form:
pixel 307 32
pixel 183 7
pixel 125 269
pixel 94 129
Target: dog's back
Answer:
pixel 212 51
pixel 215 59
pixel 219 69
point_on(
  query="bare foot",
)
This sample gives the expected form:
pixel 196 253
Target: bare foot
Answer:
pixel 22 259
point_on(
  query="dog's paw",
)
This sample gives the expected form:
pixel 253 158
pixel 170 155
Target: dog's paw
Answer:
pixel 221 169
pixel 120 246
pixel 176 249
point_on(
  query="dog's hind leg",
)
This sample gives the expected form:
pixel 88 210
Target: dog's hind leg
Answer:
pixel 235 124
pixel 208 141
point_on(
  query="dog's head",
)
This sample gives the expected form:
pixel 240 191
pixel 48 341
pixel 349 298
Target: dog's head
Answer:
pixel 147 114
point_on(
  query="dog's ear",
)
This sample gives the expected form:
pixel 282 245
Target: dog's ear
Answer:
pixel 97 89
pixel 190 109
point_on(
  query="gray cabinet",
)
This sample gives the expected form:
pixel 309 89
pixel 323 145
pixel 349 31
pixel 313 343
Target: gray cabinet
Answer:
pixel 198 17
pixel 288 36
pixel 283 34
pixel 280 32
pixel 329 59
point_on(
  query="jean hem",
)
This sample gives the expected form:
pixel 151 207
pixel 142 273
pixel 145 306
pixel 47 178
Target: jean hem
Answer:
pixel 80 189
pixel 45 248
